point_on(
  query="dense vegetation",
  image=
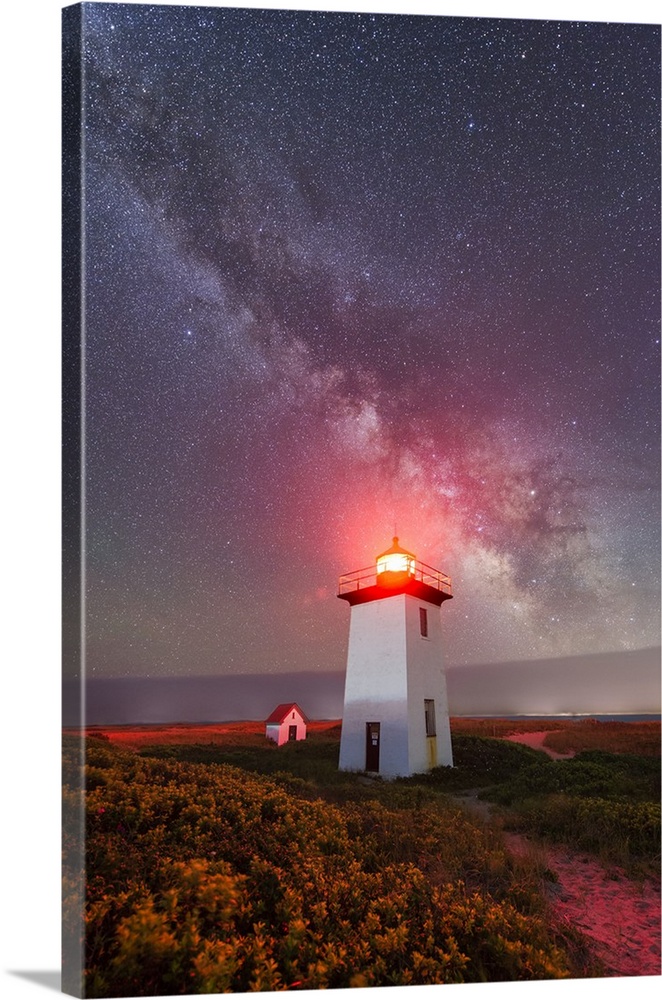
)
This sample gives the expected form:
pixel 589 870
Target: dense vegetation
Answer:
pixel 605 803
pixel 601 802
pixel 206 878
pixel 239 866
pixel 619 818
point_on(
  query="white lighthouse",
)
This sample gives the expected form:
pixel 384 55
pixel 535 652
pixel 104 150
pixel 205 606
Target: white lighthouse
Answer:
pixel 395 718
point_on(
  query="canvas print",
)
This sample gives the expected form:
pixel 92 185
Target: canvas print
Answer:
pixel 361 500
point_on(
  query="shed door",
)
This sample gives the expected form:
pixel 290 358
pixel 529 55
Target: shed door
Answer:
pixel 292 735
pixel 372 746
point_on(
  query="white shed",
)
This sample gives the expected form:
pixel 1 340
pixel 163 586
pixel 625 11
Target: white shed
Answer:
pixel 286 722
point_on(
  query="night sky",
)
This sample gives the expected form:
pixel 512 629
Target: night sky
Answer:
pixel 352 275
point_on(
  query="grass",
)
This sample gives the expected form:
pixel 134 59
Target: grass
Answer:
pixel 314 759
pixel 571 735
pixel 642 738
pixel 604 800
pixel 479 762
pixel 502 727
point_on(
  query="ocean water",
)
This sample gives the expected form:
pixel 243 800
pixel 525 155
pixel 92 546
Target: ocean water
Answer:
pixel 571 718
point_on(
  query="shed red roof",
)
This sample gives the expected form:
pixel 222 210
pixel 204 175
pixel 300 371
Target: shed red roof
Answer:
pixel 281 712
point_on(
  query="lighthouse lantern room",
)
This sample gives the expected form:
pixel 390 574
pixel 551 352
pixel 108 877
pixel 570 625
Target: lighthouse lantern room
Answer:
pixel 395 717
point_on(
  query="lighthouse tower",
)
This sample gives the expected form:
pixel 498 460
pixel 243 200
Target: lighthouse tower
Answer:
pixel 395 718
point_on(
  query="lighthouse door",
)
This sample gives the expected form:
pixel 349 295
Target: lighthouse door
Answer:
pixel 372 746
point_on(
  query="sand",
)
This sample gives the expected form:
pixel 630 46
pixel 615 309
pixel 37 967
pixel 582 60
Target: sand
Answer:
pixel 620 917
pixel 535 741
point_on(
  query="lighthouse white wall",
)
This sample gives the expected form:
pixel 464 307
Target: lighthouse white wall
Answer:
pixel 426 679
pixel 391 670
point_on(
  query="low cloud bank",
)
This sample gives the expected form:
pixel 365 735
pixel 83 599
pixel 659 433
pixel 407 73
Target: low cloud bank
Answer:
pixel 599 684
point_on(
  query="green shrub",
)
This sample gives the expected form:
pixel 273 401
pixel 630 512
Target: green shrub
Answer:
pixel 620 831
pixel 479 761
pixel 314 760
pixel 593 773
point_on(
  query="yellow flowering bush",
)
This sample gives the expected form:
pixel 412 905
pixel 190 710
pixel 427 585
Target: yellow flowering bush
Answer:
pixel 208 879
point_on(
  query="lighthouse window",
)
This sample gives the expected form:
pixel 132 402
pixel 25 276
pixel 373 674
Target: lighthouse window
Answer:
pixel 423 618
pixel 430 723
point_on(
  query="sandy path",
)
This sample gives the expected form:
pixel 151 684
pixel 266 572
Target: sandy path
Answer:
pixel 621 917
pixel 535 741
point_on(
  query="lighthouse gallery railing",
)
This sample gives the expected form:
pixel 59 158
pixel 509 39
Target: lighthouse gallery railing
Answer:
pixel 360 578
